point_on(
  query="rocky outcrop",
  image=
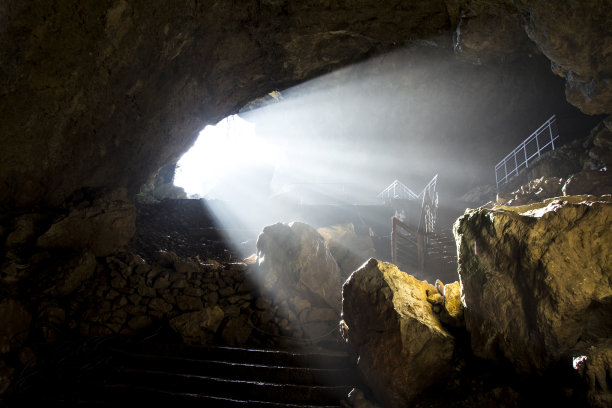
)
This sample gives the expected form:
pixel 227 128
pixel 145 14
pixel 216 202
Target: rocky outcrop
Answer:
pixel 295 256
pixel 389 322
pixel 577 168
pixel 594 364
pixel 536 279
pixel 102 227
pixel 349 249
pixel 564 32
pixel 103 95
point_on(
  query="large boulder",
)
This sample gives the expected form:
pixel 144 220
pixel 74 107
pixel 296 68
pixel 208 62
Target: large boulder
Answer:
pixel 536 279
pixel 389 322
pixel 103 227
pixel 295 256
pixel 595 366
pixel 349 249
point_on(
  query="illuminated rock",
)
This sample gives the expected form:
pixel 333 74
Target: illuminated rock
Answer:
pixel 536 279
pixel 348 249
pixel 295 256
pixel 389 322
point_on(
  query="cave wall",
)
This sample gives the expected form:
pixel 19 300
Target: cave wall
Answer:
pixel 101 95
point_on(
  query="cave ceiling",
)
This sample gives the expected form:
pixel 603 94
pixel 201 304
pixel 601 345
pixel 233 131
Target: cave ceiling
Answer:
pixel 99 95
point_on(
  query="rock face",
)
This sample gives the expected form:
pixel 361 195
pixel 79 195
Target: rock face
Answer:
pixel 389 322
pixel 564 30
pixel 102 95
pixel 103 227
pixel 577 168
pixel 295 255
pixel 536 279
pixel 349 249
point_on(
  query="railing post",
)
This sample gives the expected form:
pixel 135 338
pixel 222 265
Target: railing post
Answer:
pixel 515 164
pixel 420 251
pixel 552 140
pixel 525 152
pixel 393 241
pixel 538 144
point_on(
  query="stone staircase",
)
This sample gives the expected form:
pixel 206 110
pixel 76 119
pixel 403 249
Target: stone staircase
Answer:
pixel 152 373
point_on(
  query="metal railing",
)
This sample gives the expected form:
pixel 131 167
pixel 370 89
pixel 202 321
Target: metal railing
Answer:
pixel 531 148
pixel 398 190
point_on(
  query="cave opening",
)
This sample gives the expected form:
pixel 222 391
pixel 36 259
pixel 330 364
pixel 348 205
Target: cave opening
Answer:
pixel 323 151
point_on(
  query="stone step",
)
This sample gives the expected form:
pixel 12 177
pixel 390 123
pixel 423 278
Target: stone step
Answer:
pixel 239 371
pixel 122 395
pixel 269 357
pixel 220 376
pixel 122 382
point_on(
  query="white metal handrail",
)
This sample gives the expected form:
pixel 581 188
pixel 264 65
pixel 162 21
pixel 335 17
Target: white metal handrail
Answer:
pixel 398 190
pixel 530 148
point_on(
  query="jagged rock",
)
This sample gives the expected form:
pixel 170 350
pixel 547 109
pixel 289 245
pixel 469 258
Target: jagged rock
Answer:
pixel 452 313
pixel 589 182
pixel 198 327
pixel 402 346
pixel 595 366
pixel 102 228
pixel 348 249
pixel 296 256
pixel 534 191
pixel 489 31
pixel 14 324
pixel 536 278
pixel 78 271
pixel 563 31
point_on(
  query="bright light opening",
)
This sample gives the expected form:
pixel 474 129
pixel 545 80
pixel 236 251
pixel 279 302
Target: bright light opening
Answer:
pixel 221 154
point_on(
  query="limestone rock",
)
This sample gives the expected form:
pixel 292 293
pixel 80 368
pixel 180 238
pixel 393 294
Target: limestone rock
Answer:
pixel 198 327
pixel 295 255
pixel 563 31
pixel 402 346
pixel 77 272
pixel 595 366
pixel 589 182
pixel 102 228
pixel 536 278
pixel 348 249
pixel 14 324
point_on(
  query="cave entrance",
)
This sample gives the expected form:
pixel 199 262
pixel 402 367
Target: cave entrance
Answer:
pixel 332 144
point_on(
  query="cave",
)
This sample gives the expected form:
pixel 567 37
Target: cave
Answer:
pixel 367 252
